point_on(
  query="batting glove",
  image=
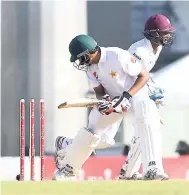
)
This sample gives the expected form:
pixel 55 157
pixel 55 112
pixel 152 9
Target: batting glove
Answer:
pixel 122 104
pixel 106 107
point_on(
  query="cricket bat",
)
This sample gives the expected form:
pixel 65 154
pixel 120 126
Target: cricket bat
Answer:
pixel 83 102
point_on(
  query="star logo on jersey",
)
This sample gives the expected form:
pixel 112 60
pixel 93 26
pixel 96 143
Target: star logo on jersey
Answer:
pixel 95 75
pixel 113 74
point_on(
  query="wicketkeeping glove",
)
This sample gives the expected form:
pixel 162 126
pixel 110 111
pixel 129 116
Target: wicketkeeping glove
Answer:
pixel 156 94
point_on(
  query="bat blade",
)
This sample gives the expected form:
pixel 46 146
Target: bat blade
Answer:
pixel 81 103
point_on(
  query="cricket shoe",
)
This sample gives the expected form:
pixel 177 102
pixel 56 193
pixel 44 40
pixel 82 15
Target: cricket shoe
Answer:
pixel 155 174
pixel 135 176
pixel 64 174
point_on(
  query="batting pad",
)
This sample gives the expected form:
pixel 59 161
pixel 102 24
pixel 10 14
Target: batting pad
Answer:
pixel 81 148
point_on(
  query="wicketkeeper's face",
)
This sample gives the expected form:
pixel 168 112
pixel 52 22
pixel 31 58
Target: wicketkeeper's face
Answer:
pixel 167 37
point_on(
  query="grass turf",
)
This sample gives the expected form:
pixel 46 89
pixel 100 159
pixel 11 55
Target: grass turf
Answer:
pixel 96 187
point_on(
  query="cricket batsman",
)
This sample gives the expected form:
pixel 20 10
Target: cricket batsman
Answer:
pixel 120 77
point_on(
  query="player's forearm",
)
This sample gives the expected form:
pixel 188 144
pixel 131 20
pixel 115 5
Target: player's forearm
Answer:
pixel 99 91
pixel 139 83
pixel 100 95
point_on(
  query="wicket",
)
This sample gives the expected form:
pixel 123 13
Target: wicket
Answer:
pixel 32 139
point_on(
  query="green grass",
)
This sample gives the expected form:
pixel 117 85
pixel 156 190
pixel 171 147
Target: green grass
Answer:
pixel 96 187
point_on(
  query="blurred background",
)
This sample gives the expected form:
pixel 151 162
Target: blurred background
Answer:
pixel 35 64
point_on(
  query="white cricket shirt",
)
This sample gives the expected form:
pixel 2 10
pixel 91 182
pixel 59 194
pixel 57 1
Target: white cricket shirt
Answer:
pixel 143 51
pixel 116 71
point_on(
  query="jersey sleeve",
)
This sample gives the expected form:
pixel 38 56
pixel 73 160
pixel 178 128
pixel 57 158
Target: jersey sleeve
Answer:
pixel 92 79
pixel 129 63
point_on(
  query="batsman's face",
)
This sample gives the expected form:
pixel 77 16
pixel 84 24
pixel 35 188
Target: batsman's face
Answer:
pixel 83 62
pixel 85 59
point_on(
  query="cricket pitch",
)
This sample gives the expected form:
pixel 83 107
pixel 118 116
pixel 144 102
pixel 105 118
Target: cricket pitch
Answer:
pixel 180 187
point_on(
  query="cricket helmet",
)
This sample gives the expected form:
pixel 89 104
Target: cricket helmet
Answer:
pixel 159 30
pixel 80 47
